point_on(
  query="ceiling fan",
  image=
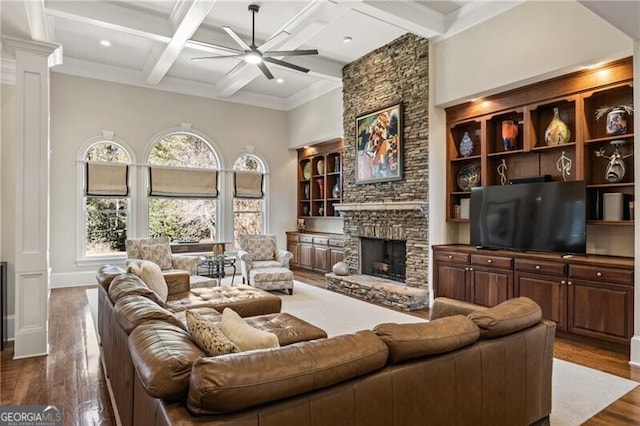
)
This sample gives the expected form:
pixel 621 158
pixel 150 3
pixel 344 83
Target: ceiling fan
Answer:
pixel 252 53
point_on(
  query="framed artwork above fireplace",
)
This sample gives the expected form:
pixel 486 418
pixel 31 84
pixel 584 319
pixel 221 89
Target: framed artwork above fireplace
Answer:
pixel 379 145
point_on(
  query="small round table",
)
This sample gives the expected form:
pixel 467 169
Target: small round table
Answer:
pixel 215 265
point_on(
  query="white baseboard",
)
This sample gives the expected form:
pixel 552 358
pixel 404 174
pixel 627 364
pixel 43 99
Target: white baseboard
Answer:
pixel 635 351
pixel 73 279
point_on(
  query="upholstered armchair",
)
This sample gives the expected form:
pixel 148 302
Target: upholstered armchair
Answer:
pixel 260 251
pixel 158 250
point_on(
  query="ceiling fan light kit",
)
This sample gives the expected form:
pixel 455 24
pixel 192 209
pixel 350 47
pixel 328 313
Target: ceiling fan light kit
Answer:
pixel 252 53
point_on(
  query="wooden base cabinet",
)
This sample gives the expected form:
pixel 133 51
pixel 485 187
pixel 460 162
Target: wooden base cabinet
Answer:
pixel 589 296
pixel 315 252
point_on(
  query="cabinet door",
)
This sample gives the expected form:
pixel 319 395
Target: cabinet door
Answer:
pixel 293 247
pixel 305 256
pixel 451 281
pixel 550 292
pixel 335 256
pixel 320 258
pixel 601 310
pixel 491 286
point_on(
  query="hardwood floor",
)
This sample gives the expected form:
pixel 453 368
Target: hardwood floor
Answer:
pixel 71 375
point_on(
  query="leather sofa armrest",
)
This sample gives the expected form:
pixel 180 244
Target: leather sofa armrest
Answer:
pixel 445 307
pixel 177 281
pixel 188 263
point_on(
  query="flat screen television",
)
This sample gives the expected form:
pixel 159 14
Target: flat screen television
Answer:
pixel 536 216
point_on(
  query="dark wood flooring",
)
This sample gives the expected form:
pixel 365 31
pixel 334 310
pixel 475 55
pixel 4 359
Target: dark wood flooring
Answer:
pixel 71 375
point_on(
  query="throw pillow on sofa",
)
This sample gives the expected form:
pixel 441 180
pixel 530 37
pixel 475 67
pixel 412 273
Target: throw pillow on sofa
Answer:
pixel 151 274
pixel 208 336
pixel 245 336
pixel 160 254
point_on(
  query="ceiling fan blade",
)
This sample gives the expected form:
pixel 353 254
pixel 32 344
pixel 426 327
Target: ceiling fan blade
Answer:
pixel 285 64
pixel 202 58
pixel 265 70
pixel 237 38
pixel 211 48
pixel 290 52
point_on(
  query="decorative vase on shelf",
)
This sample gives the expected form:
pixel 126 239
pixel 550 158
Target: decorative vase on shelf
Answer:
pixel 336 163
pixel 320 167
pixel 557 132
pixel 321 211
pixel 509 134
pixel 466 145
pixel 617 121
pixel 320 188
pixel 335 192
pixel 307 191
pixel 305 210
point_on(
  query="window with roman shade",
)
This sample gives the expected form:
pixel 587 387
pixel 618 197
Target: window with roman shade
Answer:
pixel 182 182
pixel 106 179
pixel 248 184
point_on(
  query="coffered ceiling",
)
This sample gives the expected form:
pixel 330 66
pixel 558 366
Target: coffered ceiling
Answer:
pixel 152 43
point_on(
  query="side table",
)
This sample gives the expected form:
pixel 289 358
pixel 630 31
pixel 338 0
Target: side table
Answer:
pixel 215 266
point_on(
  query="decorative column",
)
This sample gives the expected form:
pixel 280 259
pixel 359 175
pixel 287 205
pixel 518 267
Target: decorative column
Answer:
pixel 33 59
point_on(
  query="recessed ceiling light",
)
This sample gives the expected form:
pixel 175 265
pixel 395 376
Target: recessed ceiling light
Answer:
pixel 280 80
pixel 105 43
pixel 347 39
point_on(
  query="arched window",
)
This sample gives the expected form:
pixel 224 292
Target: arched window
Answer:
pixel 248 200
pixel 105 212
pixel 183 213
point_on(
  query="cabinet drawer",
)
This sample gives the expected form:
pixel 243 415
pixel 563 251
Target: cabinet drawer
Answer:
pixel 601 274
pixel 335 242
pixel 305 239
pixel 495 261
pixel 293 238
pixel 452 257
pixel 323 241
pixel 541 266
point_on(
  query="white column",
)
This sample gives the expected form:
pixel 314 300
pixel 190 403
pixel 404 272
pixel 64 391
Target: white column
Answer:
pixel 33 60
pixel 635 341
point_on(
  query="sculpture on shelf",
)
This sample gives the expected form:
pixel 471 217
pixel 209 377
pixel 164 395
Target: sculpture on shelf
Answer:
pixel 615 169
pixel 502 172
pixel 301 226
pixel 563 165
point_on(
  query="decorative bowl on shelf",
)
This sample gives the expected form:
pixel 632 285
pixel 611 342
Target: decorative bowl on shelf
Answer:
pixel 469 177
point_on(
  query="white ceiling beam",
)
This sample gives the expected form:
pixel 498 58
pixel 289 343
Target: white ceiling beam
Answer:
pixel 304 26
pixel 406 15
pixel 186 18
pixel 113 17
pixel 37 20
pixel 624 15
pixel 473 14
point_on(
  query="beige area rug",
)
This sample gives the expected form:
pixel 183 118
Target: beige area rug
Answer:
pixel 578 392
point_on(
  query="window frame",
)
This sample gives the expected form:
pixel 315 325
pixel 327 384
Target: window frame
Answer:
pixel 265 199
pixel 81 230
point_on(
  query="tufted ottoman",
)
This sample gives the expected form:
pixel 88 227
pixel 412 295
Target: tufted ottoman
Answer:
pixel 272 279
pixel 245 300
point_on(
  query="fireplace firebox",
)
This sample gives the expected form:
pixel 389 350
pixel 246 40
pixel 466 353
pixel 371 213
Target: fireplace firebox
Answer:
pixel 383 258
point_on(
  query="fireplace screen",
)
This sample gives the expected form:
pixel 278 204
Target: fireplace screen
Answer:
pixel 383 258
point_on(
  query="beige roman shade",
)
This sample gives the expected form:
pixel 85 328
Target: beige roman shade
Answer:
pixel 247 185
pixel 182 182
pixel 106 179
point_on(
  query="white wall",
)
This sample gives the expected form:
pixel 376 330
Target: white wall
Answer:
pixel 514 49
pixel 81 108
pixel 316 121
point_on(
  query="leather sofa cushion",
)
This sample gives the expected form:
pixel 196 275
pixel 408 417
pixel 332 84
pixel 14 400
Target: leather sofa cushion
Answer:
pixel 508 317
pixel 132 310
pixel 273 374
pixel 409 341
pixel 129 284
pixel 445 307
pixel 163 355
pixel 106 274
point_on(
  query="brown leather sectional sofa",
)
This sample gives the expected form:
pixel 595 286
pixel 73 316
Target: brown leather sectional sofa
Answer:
pixel 468 365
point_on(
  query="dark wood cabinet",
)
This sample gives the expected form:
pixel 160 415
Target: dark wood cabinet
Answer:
pixel 589 296
pixel 316 252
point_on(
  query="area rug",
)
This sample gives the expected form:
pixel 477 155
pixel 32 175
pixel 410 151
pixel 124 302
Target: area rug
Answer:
pixel 578 392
